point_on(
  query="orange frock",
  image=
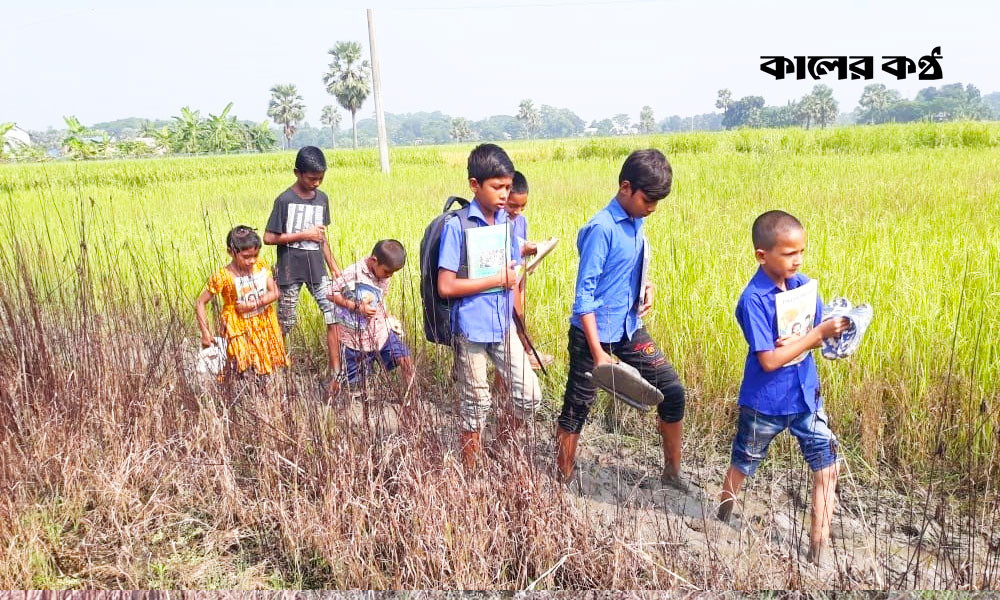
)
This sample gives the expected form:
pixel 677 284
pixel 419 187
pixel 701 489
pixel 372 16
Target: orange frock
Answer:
pixel 254 340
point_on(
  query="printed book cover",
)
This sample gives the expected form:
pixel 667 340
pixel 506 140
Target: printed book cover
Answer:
pixel 796 311
pixel 488 251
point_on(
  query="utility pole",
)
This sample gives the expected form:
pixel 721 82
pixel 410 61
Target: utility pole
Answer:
pixel 383 142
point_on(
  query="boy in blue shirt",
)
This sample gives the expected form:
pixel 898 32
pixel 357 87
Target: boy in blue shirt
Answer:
pixel 481 317
pixel 611 299
pixel 517 201
pixel 776 395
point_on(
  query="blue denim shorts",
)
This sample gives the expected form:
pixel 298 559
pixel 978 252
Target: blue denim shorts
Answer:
pixel 756 430
pixel 359 364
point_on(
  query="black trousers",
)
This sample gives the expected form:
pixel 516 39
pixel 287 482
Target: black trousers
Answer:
pixel 640 352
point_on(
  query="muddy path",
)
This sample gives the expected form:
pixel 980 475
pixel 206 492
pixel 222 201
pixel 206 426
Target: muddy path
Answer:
pixel 881 537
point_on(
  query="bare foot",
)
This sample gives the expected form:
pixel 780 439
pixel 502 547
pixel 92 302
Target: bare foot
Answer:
pixel 726 509
pixel 674 480
pixel 815 551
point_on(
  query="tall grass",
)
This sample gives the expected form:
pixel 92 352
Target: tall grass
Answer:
pixel 107 438
pixel 898 216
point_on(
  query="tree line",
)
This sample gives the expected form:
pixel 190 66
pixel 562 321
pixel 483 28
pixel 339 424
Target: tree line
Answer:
pixel 187 133
pixel 348 80
pixel 877 104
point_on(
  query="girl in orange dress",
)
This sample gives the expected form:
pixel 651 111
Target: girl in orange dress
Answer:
pixel 253 337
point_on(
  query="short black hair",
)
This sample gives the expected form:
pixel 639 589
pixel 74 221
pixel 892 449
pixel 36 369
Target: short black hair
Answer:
pixel 767 227
pixel 487 161
pixel 310 159
pixel 649 171
pixel 390 254
pixel 242 238
pixel 520 185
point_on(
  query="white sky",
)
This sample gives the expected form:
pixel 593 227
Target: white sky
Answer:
pixel 121 58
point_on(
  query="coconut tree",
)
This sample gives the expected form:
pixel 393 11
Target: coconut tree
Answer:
pixel 287 109
pixel 348 80
pixel 331 118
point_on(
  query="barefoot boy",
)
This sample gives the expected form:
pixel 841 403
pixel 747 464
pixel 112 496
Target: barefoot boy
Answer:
pixel 297 225
pixel 611 299
pixel 482 315
pixel 363 320
pixel 776 395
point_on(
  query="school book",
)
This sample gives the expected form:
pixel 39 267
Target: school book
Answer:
pixel 544 247
pixel 796 311
pixel 362 293
pixel 488 251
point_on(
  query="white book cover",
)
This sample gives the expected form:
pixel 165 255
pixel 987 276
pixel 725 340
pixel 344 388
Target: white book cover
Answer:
pixel 796 311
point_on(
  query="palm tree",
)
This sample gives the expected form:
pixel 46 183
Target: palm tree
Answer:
pixel 826 105
pixel 331 119
pixel 529 117
pixel 286 107
pixel 647 123
pixel 460 130
pixel 806 110
pixel 875 99
pixel 348 79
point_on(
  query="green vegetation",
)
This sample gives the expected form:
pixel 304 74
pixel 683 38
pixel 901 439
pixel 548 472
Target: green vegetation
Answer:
pixel 898 216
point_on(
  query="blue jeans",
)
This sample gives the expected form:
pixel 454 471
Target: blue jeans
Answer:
pixel 756 430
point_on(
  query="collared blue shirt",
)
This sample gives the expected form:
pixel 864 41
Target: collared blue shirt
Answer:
pixel 607 280
pixel 482 317
pixel 519 229
pixel 787 390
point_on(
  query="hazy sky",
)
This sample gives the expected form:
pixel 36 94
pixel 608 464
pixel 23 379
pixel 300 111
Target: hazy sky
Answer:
pixel 115 59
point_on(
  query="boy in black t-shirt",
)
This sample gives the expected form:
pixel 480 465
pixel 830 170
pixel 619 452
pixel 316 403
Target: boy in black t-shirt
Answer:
pixel 297 225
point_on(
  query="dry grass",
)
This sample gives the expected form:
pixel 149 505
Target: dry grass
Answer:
pixel 119 468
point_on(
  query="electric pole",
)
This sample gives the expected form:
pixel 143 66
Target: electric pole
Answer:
pixel 383 142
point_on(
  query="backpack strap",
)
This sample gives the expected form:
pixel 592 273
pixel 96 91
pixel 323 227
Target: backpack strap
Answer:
pixel 462 203
pixel 465 222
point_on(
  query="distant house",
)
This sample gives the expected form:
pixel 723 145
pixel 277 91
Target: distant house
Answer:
pixel 617 129
pixel 590 131
pixel 16 138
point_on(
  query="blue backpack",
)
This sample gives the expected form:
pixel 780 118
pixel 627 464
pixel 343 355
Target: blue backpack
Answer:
pixel 437 310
